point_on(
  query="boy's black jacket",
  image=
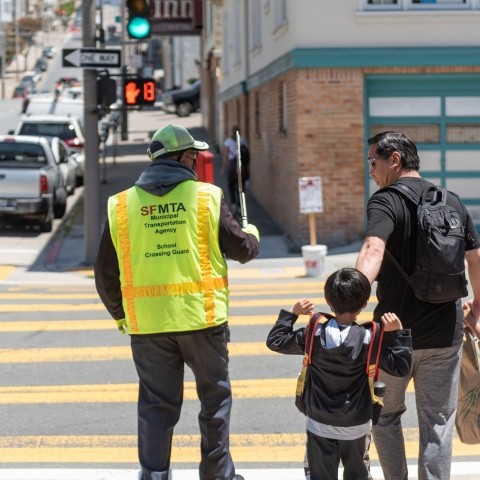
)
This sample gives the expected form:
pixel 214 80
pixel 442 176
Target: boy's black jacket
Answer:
pixel 336 389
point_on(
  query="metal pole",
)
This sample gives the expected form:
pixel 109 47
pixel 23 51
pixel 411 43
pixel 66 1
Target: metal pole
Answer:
pixel 124 124
pixel 241 193
pixel 17 34
pixel 91 195
pixel 3 51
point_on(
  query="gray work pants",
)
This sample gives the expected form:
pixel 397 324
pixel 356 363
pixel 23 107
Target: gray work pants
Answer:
pixel 159 361
pixel 435 374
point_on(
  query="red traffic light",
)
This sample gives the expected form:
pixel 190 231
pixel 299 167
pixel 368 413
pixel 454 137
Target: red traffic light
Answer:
pixel 139 91
pixel 139 7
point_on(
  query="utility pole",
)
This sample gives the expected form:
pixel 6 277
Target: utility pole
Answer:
pixel 91 197
pixel 17 35
pixel 123 38
pixel 3 41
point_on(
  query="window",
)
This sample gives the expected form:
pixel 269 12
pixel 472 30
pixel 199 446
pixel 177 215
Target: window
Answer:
pixel 256 15
pixel 210 18
pixel 237 35
pixel 225 57
pixel 280 13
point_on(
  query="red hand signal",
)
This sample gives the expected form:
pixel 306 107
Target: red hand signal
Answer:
pixel 131 93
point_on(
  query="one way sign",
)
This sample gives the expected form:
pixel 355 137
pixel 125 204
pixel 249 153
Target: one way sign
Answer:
pixel 90 58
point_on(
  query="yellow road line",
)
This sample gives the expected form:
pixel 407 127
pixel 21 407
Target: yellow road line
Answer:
pixel 6 271
pixel 50 307
pixel 257 273
pixel 98 354
pixel 56 325
pixel 245 448
pixel 128 392
pixel 48 296
pixel 250 289
pixel 68 307
pixel 102 324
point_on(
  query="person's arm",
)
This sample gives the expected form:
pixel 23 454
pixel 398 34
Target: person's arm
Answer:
pixel 370 257
pixel 107 276
pixel 283 339
pixel 473 265
pixel 234 242
pixel 396 360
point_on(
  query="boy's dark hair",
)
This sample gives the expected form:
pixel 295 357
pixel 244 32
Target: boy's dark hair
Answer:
pixel 347 290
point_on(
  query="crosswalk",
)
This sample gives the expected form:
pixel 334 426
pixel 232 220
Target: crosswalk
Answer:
pixel 68 387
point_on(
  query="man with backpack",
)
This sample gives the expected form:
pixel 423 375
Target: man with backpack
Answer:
pixel 394 253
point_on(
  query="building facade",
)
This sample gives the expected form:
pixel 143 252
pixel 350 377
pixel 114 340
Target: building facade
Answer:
pixel 309 82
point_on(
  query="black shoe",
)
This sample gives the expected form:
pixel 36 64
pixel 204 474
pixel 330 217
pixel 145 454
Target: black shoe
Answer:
pixel 237 477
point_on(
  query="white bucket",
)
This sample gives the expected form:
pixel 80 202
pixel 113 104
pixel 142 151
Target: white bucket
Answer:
pixel 314 259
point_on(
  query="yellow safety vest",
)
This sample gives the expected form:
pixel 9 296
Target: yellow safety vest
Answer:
pixel 173 274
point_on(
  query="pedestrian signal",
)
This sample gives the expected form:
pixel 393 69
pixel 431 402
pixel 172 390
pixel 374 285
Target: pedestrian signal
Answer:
pixel 139 91
pixel 138 25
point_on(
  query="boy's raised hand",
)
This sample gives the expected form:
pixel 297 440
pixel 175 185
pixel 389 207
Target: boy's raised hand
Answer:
pixel 391 322
pixel 303 307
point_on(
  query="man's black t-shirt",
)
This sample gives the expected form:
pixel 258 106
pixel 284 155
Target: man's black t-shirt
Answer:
pixel 393 218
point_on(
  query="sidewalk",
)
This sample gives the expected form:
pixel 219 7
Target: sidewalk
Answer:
pixel 65 251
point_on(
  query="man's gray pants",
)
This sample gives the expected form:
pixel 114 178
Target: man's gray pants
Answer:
pixel 435 374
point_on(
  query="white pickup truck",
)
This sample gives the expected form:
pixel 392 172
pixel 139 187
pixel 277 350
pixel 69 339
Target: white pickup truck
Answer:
pixel 31 183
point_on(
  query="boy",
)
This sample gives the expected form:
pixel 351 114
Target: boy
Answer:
pixel 337 393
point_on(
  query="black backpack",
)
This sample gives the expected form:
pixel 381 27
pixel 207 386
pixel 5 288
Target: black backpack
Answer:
pixel 245 154
pixel 439 274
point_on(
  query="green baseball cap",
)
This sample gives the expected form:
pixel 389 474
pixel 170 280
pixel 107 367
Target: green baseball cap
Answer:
pixel 171 139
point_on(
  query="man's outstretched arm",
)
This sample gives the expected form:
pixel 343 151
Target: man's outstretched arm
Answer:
pixel 370 257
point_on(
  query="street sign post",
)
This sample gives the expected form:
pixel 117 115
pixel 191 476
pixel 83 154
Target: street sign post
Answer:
pixel 90 58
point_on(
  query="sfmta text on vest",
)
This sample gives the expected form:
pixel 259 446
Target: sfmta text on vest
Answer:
pixel 172 207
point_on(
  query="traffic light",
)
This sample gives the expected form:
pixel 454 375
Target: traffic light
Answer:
pixel 138 25
pixel 106 91
pixel 139 91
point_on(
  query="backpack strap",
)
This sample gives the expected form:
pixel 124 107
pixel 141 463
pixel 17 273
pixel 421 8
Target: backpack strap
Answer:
pixel 411 195
pixel 406 191
pixel 315 319
pixel 373 356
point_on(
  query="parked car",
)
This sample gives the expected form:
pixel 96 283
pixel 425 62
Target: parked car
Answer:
pixel 183 101
pixel 41 65
pixel 49 51
pixel 31 183
pixel 33 93
pixel 64 82
pixel 66 160
pixel 30 77
pixel 68 128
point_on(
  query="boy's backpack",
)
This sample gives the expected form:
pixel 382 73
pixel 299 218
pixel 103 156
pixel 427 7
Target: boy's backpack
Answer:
pixel 439 274
pixel 373 357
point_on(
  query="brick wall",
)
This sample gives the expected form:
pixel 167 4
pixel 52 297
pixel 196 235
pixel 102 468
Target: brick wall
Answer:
pixel 324 137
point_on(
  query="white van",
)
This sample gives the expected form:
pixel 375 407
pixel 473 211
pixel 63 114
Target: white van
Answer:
pixel 49 105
